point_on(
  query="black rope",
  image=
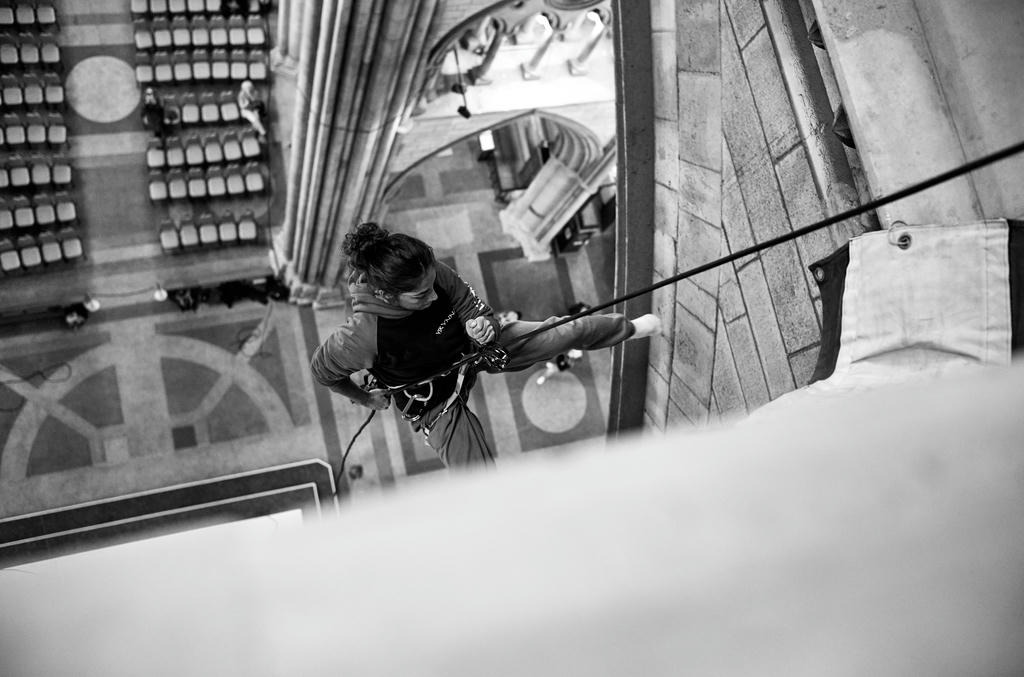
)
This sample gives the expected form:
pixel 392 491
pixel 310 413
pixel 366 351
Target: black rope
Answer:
pixel 799 232
pixel 341 470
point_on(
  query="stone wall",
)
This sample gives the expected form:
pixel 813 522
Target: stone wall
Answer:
pixel 732 169
pixel 743 152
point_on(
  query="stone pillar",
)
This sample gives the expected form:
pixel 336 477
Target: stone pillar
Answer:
pixel 283 19
pixel 531 68
pixel 577 64
pixel 477 73
pixel 635 199
pixel 363 61
pixel 296 11
pixel 342 141
pixel 927 87
pixel 288 43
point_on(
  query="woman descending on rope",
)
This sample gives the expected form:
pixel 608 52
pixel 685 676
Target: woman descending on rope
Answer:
pixel 413 317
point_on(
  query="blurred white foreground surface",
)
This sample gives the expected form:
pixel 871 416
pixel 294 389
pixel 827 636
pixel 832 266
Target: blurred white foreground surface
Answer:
pixel 875 534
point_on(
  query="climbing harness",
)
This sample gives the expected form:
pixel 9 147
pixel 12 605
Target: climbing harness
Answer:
pixel 497 357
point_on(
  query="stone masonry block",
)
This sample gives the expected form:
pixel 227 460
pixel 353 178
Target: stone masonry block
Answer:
pixel 765 326
pixel 693 353
pixel 663 15
pixel 805 207
pixel 794 308
pixel 666 157
pixel 663 304
pixel 700 119
pixel 725 384
pixel 803 364
pixel 699 242
pixel 656 398
pixel 700 192
pixel 770 94
pixel 697 302
pixel 698 30
pixel 663 48
pixel 730 301
pixel 714 415
pixel 760 191
pixel 666 210
pixel 747 19
pixel 660 355
pixel 734 213
pixel 664 254
pixel 751 162
pixel 676 417
pixel 748 363
pixel 693 408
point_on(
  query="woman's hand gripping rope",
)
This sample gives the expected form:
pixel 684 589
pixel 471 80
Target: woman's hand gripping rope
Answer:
pixel 480 330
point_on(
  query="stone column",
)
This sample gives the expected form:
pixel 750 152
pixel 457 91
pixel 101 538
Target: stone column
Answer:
pixel 283 18
pixel 288 43
pixel 635 199
pixel 477 73
pixel 296 11
pixel 577 64
pixel 531 68
pixel 363 61
pixel 927 87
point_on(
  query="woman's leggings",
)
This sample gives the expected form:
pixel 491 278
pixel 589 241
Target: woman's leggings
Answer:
pixel 456 433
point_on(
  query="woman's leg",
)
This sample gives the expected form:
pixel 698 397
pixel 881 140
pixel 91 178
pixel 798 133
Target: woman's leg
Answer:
pixel 456 434
pixel 592 332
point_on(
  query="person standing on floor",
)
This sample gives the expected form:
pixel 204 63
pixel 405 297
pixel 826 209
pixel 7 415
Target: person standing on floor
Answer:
pixel 412 316
pixel 562 362
pixel 153 113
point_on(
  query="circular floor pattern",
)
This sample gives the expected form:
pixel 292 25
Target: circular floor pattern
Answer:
pixel 102 89
pixel 556 406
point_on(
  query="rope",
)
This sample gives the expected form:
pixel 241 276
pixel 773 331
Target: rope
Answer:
pixel 799 232
pixel 344 457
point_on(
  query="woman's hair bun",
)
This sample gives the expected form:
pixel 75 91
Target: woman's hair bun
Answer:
pixel 364 238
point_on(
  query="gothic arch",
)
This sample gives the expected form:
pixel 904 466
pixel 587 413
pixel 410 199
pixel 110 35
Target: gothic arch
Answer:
pixel 580 135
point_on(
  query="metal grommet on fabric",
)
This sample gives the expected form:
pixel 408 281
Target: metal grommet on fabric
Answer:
pixel 819 274
pixel 897 238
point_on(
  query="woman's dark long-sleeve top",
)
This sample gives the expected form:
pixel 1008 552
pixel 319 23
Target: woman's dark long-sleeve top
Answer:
pixel 396 345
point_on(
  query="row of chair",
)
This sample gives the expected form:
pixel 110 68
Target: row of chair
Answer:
pixel 207 108
pixel 196 151
pixel 33 129
pixel 20 172
pixel 28 50
pixel 208 231
pixel 181 32
pixel 198 183
pixel 28 15
pixel 154 8
pixel 31 89
pixel 41 211
pixel 200 65
pixel 28 253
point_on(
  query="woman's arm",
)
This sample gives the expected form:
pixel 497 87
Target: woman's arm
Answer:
pixel 468 306
pixel 348 350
